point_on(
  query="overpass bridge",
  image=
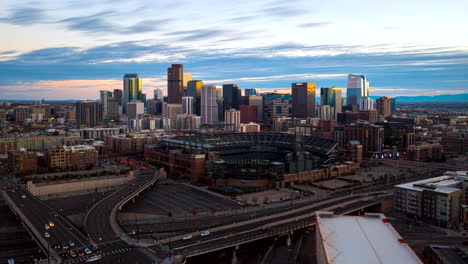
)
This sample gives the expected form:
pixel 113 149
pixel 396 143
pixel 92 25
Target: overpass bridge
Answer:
pixel 36 217
pixel 234 235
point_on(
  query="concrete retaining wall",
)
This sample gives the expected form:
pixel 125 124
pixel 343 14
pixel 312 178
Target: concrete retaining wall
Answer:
pixel 78 186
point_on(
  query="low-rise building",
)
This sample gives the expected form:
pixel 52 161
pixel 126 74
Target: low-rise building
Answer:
pixel 72 157
pixel 22 161
pixel 436 200
pixel 425 152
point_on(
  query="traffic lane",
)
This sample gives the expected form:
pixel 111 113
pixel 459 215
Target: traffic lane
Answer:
pixel 236 238
pixel 98 222
pixel 35 210
pixel 243 228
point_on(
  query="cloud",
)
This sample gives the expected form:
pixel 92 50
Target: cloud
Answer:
pixel 283 11
pixel 24 16
pixel 194 35
pixel 8 52
pixel 144 26
pixel 93 23
pixel 313 25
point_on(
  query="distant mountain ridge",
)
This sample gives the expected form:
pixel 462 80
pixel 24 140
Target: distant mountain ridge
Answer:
pixel 443 98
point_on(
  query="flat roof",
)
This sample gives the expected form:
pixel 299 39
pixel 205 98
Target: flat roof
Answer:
pixel 444 184
pixel 362 239
pixel 453 255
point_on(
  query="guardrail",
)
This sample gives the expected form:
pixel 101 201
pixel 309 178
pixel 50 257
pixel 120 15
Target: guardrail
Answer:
pixel 43 244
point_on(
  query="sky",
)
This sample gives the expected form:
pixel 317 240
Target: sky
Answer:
pixel 59 49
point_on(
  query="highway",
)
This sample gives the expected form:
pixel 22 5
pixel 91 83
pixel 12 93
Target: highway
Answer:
pixel 41 215
pixel 242 233
pixel 99 227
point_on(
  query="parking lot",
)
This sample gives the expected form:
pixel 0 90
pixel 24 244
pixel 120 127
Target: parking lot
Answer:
pixel 178 199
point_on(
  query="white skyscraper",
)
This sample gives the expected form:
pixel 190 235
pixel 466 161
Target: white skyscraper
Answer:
pixel 366 104
pixel 232 118
pixel 357 88
pixel 158 95
pixel 326 112
pixel 209 106
pixel 188 105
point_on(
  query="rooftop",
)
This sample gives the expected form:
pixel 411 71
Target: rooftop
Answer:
pixel 453 255
pixel 444 184
pixel 362 239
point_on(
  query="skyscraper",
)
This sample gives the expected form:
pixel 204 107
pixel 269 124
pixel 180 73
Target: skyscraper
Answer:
pixel 158 95
pixel 303 100
pixel 118 96
pixel 249 113
pixel 252 91
pixel 194 90
pixel 232 119
pixel 105 96
pixel 187 105
pixel 209 106
pixel 88 114
pixel 231 95
pixel 257 100
pixel 132 89
pixel 384 106
pixel 366 103
pixel 332 97
pixel 357 88
pixel 175 83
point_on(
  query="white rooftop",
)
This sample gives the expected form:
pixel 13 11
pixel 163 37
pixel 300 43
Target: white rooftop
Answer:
pixel 362 239
pixel 445 184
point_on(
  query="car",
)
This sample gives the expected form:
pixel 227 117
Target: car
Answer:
pixel 187 237
pixel 81 253
pixel 93 258
pixel 23 196
pixel 21 204
pixel 87 251
pixel 205 233
pixel 71 243
pixel 73 254
pixel 55 245
pixel 51 224
pixel 46 234
pixel 65 247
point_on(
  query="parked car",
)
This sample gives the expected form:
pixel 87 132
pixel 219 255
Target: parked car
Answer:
pixel 205 233
pixel 46 234
pixel 87 251
pixel 187 237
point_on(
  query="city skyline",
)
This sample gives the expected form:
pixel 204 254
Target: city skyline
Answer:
pixel 65 50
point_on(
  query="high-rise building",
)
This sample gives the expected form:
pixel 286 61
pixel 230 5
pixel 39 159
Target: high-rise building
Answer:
pixel 209 106
pixel 114 109
pixel 249 113
pixel 104 96
pixel 158 95
pixel 370 136
pixel 326 112
pixel 231 95
pixel 393 105
pixel 332 97
pixel 118 96
pixel 188 105
pixel 88 114
pixel 276 105
pixel 253 91
pixel 132 89
pixel 143 99
pixel 366 103
pixel 185 121
pixel 257 100
pixel 357 88
pixel 135 109
pixel 194 90
pixel 384 106
pixel 175 83
pixel 232 119
pixel 303 100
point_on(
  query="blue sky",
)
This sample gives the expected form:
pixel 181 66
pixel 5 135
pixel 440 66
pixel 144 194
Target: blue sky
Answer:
pixel 60 49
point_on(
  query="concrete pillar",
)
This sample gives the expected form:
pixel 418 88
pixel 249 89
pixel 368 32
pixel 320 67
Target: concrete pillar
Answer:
pixel 234 256
pixel 288 240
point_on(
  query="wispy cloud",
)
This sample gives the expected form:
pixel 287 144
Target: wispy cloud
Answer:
pixel 314 24
pixel 24 16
